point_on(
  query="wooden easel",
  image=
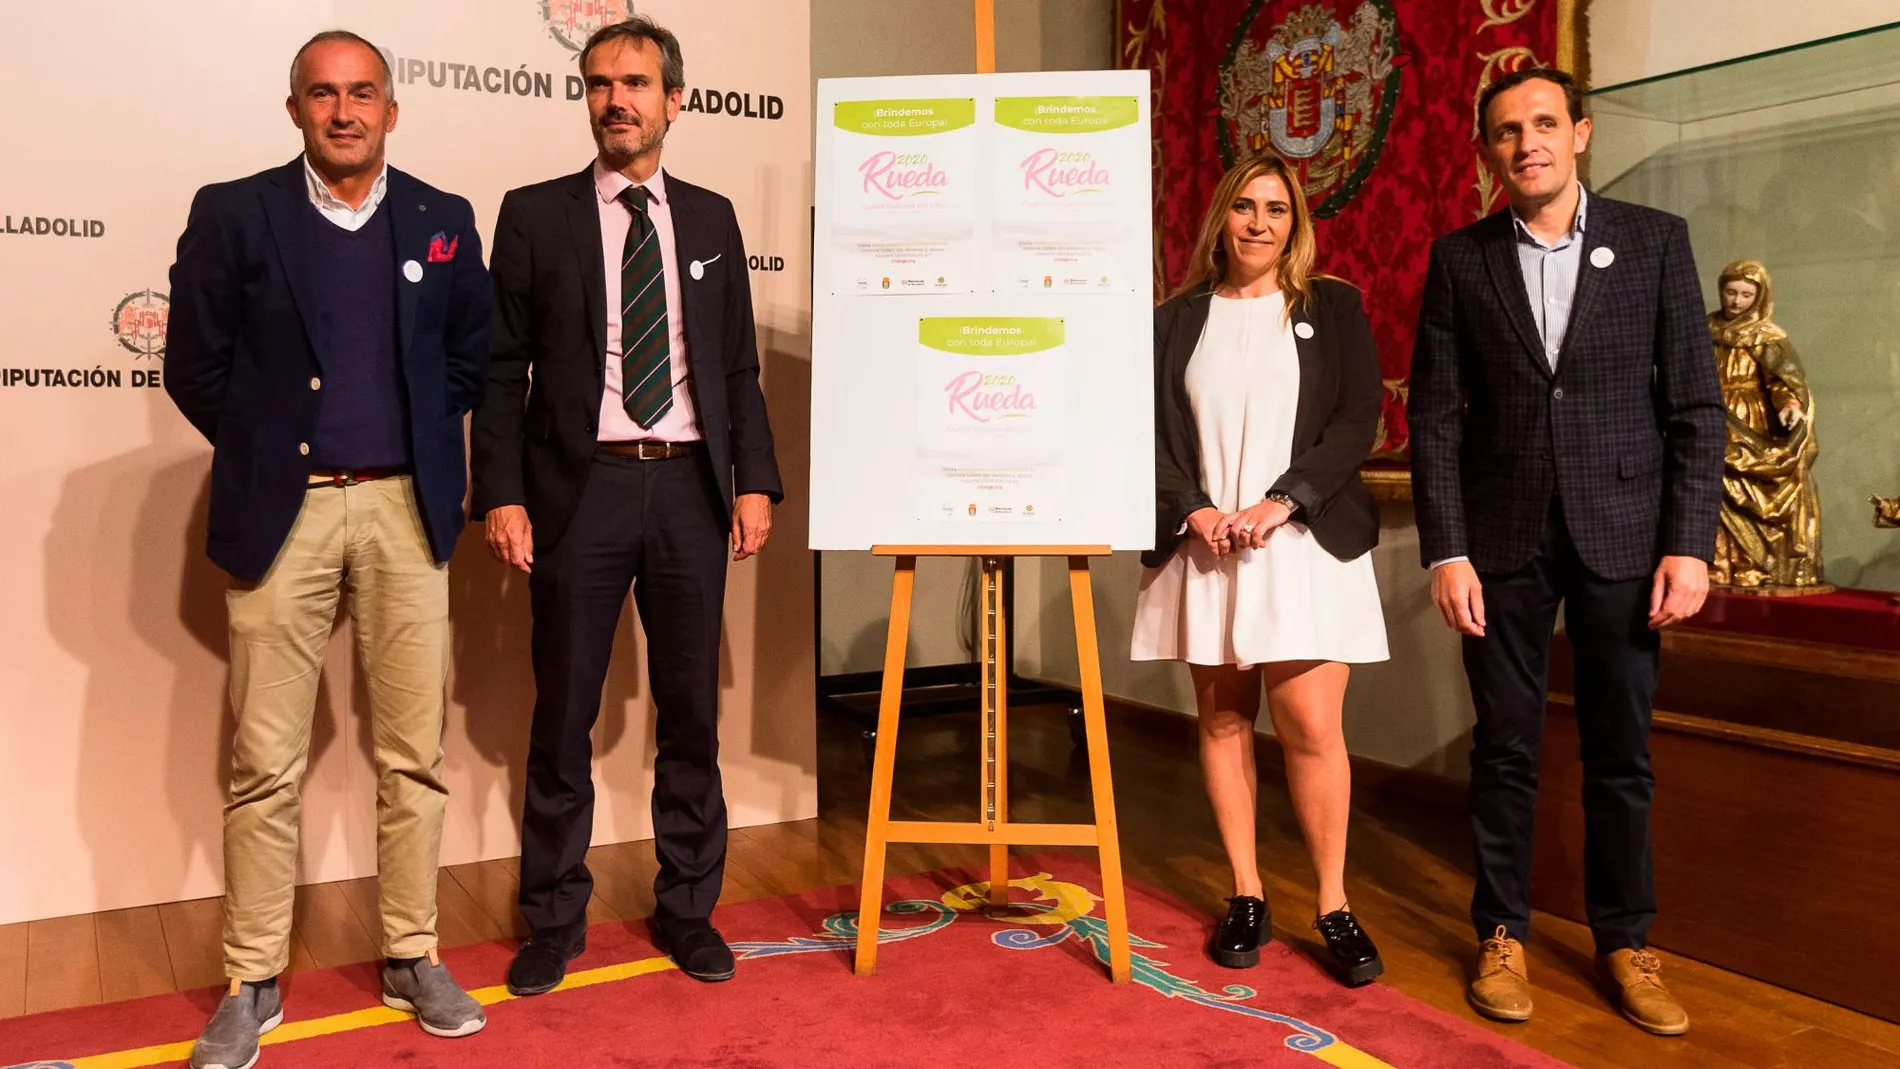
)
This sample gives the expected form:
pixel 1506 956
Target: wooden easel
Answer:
pixel 995 828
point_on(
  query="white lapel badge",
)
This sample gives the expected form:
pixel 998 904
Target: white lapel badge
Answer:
pixel 1304 330
pixel 697 268
pixel 412 270
pixel 1602 256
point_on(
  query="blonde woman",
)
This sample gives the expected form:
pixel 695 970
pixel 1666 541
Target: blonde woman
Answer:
pixel 1267 396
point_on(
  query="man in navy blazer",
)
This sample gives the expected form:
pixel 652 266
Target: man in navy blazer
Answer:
pixel 1567 437
pixel 329 332
pixel 623 443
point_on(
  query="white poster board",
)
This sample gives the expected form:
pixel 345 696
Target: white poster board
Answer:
pixel 982 321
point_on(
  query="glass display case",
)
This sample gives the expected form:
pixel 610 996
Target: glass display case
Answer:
pixel 1792 158
pixel 1789 158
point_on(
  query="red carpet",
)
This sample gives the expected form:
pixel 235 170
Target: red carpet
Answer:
pixel 953 987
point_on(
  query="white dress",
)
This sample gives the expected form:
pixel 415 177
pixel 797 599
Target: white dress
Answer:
pixel 1289 600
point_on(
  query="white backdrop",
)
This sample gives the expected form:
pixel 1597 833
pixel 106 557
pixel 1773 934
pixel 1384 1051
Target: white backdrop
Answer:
pixel 872 397
pixel 114 736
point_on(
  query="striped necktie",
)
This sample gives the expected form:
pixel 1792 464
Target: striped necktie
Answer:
pixel 646 380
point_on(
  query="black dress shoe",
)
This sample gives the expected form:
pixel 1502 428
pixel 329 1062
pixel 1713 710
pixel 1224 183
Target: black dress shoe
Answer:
pixel 1355 959
pixel 695 946
pixel 1236 942
pixel 541 963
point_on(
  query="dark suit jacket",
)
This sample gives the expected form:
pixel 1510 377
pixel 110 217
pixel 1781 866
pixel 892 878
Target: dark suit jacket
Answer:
pixel 1338 415
pixel 533 446
pixel 241 365
pixel 1628 433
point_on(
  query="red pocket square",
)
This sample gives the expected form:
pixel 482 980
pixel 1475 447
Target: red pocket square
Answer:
pixel 442 248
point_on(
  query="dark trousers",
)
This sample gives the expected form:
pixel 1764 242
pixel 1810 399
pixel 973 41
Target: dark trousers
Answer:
pixel 657 526
pixel 1616 667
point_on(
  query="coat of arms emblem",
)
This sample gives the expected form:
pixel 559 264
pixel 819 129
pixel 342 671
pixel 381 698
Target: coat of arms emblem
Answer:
pixel 1318 90
pixel 139 322
pixel 572 22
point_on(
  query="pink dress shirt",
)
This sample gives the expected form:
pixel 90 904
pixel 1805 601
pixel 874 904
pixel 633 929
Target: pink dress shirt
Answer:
pixel 681 423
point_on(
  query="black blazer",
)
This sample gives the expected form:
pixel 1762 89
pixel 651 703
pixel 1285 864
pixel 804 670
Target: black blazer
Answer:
pixel 1628 433
pixel 241 366
pixel 1337 417
pixel 534 446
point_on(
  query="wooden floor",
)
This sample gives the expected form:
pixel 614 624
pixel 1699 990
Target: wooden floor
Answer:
pixel 1407 881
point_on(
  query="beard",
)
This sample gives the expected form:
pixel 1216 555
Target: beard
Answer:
pixel 623 146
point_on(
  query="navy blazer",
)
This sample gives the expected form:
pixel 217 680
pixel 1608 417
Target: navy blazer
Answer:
pixel 1627 433
pixel 535 431
pixel 242 367
pixel 1335 421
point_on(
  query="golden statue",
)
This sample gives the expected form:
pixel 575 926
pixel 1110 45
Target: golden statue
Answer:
pixel 1769 541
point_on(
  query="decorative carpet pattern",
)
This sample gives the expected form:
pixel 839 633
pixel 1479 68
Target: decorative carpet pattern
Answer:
pixel 954 986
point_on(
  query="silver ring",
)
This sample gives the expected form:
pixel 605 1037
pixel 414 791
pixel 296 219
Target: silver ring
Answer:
pixel 1246 528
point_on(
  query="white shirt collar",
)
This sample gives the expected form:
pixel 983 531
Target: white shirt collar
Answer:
pixel 331 206
pixel 1583 210
pixel 608 184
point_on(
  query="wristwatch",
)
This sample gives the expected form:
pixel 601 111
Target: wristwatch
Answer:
pixel 1292 506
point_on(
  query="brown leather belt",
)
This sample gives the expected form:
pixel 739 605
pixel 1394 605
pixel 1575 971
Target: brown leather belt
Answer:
pixel 647 450
pixel 339 477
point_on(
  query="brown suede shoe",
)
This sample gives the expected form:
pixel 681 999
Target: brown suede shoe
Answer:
pixel 1637 977
pixel 1502 988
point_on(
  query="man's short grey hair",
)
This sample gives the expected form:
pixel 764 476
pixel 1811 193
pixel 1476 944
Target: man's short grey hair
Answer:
pixel 389 82
pixel 642 28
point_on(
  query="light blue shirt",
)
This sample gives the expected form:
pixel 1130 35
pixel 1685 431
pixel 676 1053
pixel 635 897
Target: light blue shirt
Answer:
pixel 1550 277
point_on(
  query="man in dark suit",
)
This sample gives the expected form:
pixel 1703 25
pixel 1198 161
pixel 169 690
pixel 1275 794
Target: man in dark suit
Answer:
pixel 640 452
pixel 329 331
pixel 1567 437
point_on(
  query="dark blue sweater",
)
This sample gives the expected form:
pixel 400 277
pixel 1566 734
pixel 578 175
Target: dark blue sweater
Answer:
pixel 362 413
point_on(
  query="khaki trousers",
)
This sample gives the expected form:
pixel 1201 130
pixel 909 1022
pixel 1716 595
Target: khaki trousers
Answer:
pixel 366 540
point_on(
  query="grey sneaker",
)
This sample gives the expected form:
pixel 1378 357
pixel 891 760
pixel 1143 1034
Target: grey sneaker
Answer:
pixel 229 1040
pixel 427 990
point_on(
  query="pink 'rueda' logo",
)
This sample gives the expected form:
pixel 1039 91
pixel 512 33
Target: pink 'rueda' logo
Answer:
pixel 1059 174
pixel 895 177
pixel 985 397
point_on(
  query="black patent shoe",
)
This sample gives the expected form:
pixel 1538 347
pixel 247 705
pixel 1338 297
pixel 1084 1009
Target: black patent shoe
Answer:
pixel 1236 943
pixel 1354 959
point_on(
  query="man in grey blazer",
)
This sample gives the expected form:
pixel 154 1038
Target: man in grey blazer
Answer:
pixel 1567 436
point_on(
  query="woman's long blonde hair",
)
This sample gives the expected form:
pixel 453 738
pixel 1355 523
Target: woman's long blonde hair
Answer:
pixel 1207 268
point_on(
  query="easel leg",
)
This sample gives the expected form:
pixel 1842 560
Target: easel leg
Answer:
pixel 996 733
pixel 1108 840
pixel 986 36
pixel 877 824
